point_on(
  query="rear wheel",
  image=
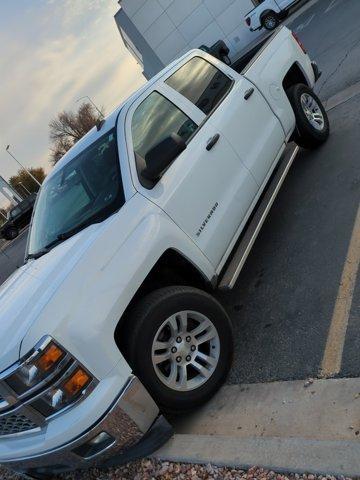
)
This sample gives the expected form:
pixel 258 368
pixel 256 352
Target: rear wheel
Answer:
pixel 312 122
pixel 180 346
pixel 270 21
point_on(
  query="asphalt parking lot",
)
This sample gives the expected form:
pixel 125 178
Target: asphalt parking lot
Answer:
pixel 283 304
pixel 12 255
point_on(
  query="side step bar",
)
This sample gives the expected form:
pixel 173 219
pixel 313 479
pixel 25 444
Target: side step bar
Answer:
pixel 242 251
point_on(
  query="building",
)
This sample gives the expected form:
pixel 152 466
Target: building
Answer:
pixel 158 31
pixel 9 192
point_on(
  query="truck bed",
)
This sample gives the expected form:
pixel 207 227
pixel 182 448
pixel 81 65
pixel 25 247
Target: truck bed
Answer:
pixel 249 52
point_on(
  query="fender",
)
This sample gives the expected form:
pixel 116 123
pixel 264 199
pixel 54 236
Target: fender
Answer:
pixel 266 12
pixel 89 300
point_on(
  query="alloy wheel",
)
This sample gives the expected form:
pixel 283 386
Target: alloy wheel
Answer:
pixel 312 111
pixel 185 350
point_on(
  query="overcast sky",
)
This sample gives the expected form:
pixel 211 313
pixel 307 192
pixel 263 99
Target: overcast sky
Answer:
pixel 51 53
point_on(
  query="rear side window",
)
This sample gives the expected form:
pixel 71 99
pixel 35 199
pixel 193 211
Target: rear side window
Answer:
pixel 155 119
pixel 201 83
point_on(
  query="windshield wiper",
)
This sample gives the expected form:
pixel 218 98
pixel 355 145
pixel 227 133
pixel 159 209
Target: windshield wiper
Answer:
pixel 61 237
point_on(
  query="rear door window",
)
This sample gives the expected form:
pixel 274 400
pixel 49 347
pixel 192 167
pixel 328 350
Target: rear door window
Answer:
pixel 201 83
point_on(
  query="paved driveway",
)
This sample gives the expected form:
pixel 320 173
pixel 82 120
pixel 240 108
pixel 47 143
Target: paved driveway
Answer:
pixel 12 255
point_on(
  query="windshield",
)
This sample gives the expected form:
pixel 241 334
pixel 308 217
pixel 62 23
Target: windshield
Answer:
pixel 86 190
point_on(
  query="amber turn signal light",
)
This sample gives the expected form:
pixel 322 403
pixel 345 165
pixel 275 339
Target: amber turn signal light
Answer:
pixel 77 382
pixel 51 356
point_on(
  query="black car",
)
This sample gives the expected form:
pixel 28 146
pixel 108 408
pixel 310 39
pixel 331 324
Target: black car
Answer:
pixel 18 217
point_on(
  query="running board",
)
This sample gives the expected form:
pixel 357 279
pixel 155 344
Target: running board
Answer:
pixel 242 251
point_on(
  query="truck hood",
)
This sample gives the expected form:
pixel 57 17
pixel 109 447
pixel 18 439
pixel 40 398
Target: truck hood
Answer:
pixel 28 290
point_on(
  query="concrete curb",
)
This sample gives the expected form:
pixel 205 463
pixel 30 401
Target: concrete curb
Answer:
pixel 280 454
pixel 292 426
pixel 342 97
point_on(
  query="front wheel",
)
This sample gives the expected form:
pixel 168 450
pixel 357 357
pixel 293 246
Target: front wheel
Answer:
pixel 270 21
pixel 312 122
pixel 180 346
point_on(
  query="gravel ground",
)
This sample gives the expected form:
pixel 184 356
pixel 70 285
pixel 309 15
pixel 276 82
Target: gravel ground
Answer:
pixel 156 470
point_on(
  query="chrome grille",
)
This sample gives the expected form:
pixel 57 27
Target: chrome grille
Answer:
pixel 11 424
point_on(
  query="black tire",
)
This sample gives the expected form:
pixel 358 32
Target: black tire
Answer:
pixel 145 321
pixel 10 233
pixel 13 232
pixel 270 21
pixel 306 135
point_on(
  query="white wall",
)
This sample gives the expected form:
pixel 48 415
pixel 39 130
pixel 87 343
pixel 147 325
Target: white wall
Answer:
pixel 172 27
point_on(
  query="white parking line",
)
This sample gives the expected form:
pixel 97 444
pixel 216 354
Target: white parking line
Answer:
pixel 332 5
pixel 302 26
pixel 332 359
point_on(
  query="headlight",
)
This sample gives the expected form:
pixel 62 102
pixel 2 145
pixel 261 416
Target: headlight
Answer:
pixel 64 393
pixel 49 379
pixel 39 365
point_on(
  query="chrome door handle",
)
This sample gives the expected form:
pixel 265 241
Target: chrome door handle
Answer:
pixel 248 93
pixel 212 142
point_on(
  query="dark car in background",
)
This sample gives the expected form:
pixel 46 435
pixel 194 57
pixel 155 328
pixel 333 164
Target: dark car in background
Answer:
pixel 18 218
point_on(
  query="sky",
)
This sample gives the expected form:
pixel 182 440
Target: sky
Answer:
pixel 52 52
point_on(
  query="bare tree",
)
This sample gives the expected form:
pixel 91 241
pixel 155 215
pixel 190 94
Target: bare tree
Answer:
pixel 22 182
pixel 69 127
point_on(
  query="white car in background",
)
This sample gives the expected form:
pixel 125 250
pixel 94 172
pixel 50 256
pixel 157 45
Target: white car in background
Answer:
pixel 268 14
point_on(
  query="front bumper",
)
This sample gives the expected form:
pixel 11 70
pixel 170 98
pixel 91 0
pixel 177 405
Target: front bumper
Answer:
pixel 128 431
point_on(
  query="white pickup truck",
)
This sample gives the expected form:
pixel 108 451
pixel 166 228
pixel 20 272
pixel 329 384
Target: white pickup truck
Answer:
pixel 268 14
pixel 110 321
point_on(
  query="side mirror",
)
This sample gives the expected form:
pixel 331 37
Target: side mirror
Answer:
pixel 162 155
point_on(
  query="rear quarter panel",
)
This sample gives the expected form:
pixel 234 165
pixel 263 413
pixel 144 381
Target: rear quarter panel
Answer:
pixel 269 68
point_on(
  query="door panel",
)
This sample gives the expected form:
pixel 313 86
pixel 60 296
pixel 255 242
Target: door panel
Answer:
pixel 207 193
pixel 251 128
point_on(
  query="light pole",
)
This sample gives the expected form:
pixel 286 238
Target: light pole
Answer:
pixel 23 186
pixel 92 103
pixel 22 166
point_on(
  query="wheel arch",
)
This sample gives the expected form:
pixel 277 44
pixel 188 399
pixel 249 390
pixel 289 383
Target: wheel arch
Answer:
pixel 266 12
pixel 295 75
pixel 172 268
